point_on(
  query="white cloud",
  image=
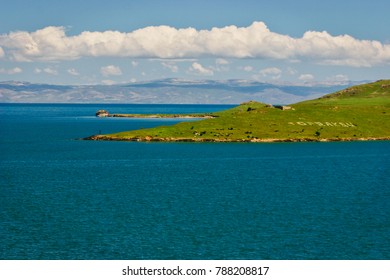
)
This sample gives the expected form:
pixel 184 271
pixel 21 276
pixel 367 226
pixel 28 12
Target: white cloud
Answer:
pixel 1 52
pixel 221 61
pixel 306 77
pixel 134 63
pixel 291 71
pixel 255 41
pixel 108 82
pixel 173 59
pixel 110 70
pixel 15 70
pixel 47 70
pixel 50 70
pixel 171 66
pixel 197 68
pixel 73 72
pixel 271 72
pixel 246 68
pixel 339 79
pixel 221 65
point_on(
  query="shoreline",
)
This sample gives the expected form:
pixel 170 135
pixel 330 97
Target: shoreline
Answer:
pixel 210 140
pixel 161 116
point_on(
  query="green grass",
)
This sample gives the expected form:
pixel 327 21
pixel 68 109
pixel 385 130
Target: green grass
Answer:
pixel 359 112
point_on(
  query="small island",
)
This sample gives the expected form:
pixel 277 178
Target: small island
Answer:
pixel 357 113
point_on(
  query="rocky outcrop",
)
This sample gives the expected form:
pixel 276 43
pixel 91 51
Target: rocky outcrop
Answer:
pixel 102 113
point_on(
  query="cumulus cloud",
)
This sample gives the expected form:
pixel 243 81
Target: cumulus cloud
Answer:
pixel 47 70
pixel 12 71
pixel 246 68
pixel 199 69
pixel 171 66
pixel 271 72
pixel 221 61
pixel 291 71
pixel 73 72
pixel 108 82
pixel 15 70
pixel 255 41
pixel 306 77
pixel 51 71
pixel 339 79
pixel 221 65
pixel 110 70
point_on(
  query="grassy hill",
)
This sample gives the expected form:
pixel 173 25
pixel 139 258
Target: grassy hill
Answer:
pixel 357 113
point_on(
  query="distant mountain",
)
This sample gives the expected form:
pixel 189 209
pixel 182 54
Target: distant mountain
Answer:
pixel 168 91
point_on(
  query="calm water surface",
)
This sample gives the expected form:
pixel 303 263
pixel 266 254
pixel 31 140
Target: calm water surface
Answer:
pixel 62 198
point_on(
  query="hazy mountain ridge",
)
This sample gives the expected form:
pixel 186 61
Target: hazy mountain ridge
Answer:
pixel 168 91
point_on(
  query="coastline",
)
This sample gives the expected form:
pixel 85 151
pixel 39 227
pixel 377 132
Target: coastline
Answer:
pixel 211 140
pixel 161 116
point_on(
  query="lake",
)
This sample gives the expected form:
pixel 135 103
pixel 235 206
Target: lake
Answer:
pixel 64 198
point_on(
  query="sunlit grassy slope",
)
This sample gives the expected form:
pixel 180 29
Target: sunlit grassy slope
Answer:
pixel 356 113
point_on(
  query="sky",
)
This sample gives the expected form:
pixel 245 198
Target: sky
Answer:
pixel 118 41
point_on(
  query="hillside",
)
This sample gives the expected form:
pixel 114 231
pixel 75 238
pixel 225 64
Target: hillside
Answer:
pixel 356 113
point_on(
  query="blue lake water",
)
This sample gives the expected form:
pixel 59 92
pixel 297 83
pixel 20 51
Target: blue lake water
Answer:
pixel 62 198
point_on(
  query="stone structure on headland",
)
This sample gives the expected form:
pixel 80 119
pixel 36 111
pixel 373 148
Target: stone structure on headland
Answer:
pixel 102 113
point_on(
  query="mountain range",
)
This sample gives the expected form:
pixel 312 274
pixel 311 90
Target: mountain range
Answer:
pixel 167 91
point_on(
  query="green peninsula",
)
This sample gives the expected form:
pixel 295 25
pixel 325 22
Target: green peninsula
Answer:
pixel 357 113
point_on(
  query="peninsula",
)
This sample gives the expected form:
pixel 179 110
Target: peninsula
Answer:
pixel 357 113
pixel 105 114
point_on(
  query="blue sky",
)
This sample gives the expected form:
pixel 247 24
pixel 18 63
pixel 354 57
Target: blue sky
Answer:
pixel 66 42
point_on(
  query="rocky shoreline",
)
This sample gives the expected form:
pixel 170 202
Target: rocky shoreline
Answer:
pixel 254 140
pixel 157 116
pixel 106 114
